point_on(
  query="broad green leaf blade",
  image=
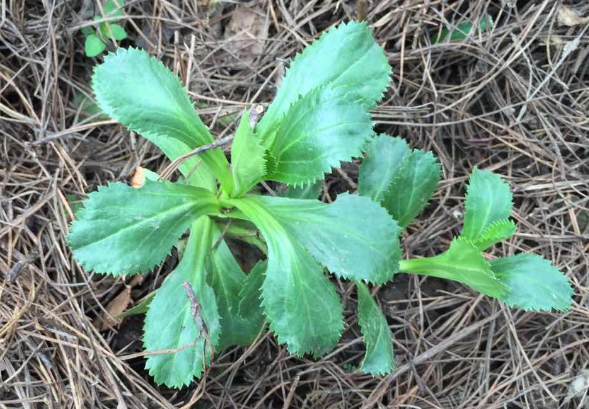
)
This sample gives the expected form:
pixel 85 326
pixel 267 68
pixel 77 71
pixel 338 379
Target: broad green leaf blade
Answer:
pixel 320 130
pixel 123 230
pixel 93 46
pixel 227 279
pixel 345 57
pixel 169 323
pixel 248 160
pixel 299 301
pixel 402 180
pixel 251 292
pixel 118 32
pixel 379 359
pixel 488 200
pixel 143 95
pixel 382 161
pixel 307 191
pixel 353 237
pixel 412 188
pixel 496 232
pixel 462 262
pixel 533 283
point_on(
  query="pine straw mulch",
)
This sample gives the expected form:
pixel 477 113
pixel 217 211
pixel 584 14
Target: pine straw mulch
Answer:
pixel 514 100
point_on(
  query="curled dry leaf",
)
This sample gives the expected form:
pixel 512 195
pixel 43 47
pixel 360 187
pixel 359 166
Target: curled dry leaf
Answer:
pixel 118 305
pixel 568 17
pixel 245 35
pixel 138 178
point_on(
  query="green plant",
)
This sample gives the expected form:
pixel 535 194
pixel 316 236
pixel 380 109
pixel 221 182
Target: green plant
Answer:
pixel 97 38
pixel 318 119
pixel 463 30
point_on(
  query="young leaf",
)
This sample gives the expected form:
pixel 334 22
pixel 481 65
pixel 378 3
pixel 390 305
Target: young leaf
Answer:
pixel 402 180
pixel 345 57
pixel 169 323
pixel 462 31
pixel 118 32
pixel 227 279
pixel 299 301
pixel 112 8
pixel 381 164
pixel 488 200
pixel 320 130
pixel 146 97
pixel 250 294
pixel 462 262
pixel 353 237
pixel 306 191
pixel 93 45
pixel 87 31
pixel 414 185
pixel 533 283
pixel 123 230
pixel 379 359
pixel 247 157
pixel 496 232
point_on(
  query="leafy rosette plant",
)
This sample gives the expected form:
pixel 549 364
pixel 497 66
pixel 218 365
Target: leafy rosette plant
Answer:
pixel 319 118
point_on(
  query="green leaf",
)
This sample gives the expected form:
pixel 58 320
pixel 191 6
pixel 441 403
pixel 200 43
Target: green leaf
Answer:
pixel 93 46
pixel 247 157
pixel 123 230
pixel 87 31
pixel 402 180
pixel 227 280
pixel 251 290
pixel 496 232
pixel 118 32
pixel 488 200
pixel 321 130
pixel 533 283
pixel 353 237
pixel 379 358
pixel 381 164
pixel 462 262
pixel 113 8
pixel 146 97
pixel 463 31
pixel 346 58
pixel 306 191
pixel 298 299
pixel 412 188
pixel 169 323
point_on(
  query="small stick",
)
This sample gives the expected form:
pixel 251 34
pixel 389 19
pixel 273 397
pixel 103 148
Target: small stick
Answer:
pixel 18 266
pixel 195 309
pixel 361 13
pixel 178 161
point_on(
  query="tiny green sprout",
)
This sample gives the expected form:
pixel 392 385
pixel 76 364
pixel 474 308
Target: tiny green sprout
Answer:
pixel 463 30
pixel 97 38
pixel 319 118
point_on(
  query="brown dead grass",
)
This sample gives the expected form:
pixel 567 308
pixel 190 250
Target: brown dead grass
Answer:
pixel 511 100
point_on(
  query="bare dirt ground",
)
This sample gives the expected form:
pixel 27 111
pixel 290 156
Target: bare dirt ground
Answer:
pixel 513 100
